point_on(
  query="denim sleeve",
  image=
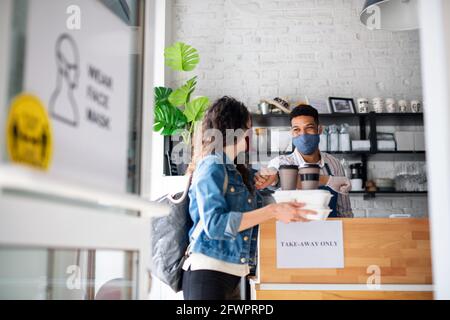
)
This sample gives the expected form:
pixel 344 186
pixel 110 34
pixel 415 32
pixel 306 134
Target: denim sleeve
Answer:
pixel 218 222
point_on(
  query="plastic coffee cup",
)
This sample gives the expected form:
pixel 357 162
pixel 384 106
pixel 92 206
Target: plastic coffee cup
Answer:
pixel 288 177
pixel 309 176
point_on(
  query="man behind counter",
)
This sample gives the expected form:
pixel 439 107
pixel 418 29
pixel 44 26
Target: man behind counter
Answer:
pixel 305 131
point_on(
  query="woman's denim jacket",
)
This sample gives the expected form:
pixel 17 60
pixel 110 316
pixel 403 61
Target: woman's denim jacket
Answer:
pixel 221 212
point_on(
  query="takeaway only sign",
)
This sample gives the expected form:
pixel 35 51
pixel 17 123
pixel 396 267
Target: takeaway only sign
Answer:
pixel 316 245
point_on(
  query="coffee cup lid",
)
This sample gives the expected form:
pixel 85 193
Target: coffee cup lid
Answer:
pixel 310 165
pixel 288 166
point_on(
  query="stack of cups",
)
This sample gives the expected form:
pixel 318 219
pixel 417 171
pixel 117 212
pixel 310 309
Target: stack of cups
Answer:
pixel 390 105
pixel 305 178
pixel 403 106
pixel 378 105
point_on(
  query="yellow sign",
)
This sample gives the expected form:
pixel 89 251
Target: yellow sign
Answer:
pixel 29 134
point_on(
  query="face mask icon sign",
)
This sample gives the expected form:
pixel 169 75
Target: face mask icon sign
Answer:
pixel 63 106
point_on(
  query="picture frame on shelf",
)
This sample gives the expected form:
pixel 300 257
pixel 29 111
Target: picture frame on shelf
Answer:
pixel 342 105
pixel 322 105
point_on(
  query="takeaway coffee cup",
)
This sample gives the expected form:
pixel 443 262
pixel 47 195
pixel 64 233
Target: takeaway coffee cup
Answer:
pixel 309 176
pixel 288 177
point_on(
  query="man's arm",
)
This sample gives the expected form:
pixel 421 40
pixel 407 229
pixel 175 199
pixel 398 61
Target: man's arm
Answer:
pixel 269 176
pixel 344 206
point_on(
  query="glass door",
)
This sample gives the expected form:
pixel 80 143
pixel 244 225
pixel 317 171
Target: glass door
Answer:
pixel 73 223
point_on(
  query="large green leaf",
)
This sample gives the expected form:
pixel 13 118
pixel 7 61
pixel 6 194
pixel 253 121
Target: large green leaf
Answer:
pixel 169 119
pixel 181 57
pixel 162 95
pixel 181 96
pixel 195 110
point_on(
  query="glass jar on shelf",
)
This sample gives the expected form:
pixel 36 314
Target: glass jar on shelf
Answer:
pixel 344 138
pixel 323 145
pixel 333 138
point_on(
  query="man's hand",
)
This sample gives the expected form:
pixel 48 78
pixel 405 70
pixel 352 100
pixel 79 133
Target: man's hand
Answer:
pixel 323 180
pixel 339 184
pixel 266 178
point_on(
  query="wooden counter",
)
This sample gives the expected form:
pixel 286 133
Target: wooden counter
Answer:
pixel 399 247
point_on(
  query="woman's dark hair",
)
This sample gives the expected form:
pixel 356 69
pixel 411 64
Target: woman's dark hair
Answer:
pixel 226 114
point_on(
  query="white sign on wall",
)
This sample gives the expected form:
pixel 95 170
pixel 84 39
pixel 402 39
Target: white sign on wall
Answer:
pixel 317 244
pixel 83 78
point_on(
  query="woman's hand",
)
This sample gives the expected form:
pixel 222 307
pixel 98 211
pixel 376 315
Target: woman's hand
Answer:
pixel 289 211
pixel 286 212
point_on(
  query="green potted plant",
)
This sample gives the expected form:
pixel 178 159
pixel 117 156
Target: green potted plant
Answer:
pixel 176 111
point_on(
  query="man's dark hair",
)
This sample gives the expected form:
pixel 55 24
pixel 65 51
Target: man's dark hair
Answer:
pixel 305 110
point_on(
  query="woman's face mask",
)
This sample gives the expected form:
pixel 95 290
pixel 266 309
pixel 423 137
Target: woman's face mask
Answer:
pixel 306 143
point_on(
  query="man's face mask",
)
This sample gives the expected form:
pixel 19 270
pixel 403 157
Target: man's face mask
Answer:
pixel 306 143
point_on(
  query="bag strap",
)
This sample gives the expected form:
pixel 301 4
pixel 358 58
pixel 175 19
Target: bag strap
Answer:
pixel 199 227
pixel 185 192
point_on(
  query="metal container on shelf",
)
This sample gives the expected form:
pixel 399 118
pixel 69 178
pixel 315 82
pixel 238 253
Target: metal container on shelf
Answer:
pixel 264 107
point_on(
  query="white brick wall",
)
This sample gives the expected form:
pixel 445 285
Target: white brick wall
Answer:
pixel 382 207
pixel 254 49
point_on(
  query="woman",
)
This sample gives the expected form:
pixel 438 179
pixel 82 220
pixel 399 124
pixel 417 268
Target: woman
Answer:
pixel 224 207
